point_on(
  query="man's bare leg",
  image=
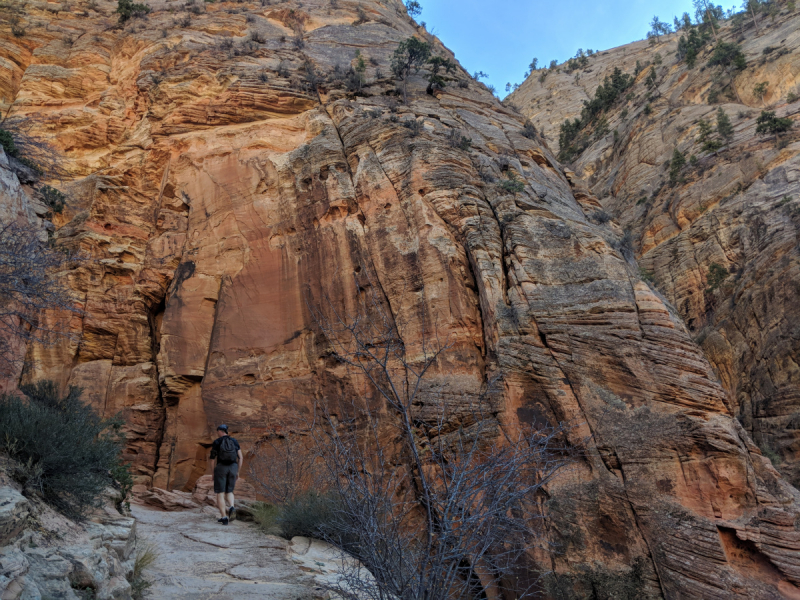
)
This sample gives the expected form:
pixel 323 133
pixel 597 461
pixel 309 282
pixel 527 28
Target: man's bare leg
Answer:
pixel 229 499
pixel 221 505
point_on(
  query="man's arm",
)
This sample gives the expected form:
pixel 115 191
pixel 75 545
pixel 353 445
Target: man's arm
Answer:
pixel 240 459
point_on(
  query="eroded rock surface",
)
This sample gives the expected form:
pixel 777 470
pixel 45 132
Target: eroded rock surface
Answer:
pixel 199 558
pixel 738 208
pixel 45 555
pixel 220 189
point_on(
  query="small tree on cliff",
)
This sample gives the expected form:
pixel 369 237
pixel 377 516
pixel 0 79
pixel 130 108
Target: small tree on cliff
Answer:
pixel 434 497
pixel 408 58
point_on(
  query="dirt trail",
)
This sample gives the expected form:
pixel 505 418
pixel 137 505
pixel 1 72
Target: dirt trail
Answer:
pixel 199 559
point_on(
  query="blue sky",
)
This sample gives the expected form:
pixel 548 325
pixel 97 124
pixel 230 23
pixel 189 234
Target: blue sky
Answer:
pixel 501 37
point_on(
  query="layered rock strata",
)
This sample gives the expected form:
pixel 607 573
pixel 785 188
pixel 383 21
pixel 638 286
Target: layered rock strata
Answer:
pixel 736 208
pixel 223 184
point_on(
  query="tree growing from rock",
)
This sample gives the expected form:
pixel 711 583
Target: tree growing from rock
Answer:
pixel 439 67
pixel 659 28
pixel 760 90
pixel 724 126
pixel 408 58
pixel 676 164
pixel 768 123
pixel 414 8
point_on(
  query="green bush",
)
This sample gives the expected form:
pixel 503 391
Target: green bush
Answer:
pixel 512 184
pixel 309 515
pixel 54 199
pixel 716 275
pixel 7 142
pixel 126 9
pixel 768 123
pixel 266 517
pixel 66 451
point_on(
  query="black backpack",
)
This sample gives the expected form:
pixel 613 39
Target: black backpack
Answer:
pixel 228 453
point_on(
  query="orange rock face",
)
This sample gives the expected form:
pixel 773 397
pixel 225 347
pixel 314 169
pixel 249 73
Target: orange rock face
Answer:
pixel 221 188
pixel 735 211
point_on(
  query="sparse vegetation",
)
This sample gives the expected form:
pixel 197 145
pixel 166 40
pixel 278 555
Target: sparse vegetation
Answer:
pixel 571 139
pixel 760 90
pixel 528 130
pixel 127 9
pixel 676 164
pixel 52 198
pixel 409 57
pixel 146 555
pixel 716 275
pixel 66 451
pixel 460 141
pixel 770 124
pixel 512 184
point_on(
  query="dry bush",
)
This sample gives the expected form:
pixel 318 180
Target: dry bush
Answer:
pixel 31 282
pixel 445 506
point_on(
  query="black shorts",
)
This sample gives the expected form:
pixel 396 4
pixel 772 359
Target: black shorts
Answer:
pixel 225 477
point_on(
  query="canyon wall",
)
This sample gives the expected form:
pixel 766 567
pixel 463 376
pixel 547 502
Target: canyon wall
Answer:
pixel 738 208
pixel 223 183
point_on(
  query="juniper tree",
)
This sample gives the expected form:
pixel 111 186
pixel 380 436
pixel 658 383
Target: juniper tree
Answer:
pixel 770 124
pixel 659 27
pixel 760 90
pixel 408 58
pixel 675 166
pixel 724 126
pixel 414 8
pixel 436 78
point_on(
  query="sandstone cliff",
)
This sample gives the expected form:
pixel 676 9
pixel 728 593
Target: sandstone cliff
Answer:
pixel 737 208
pixel 222 180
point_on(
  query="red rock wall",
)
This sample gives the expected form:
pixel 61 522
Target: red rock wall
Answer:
pixel 216 207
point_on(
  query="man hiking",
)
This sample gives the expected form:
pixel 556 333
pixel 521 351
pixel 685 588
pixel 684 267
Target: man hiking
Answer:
pixel 226 460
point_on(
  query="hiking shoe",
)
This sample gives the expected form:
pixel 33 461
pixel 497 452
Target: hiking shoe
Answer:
pixel 231 512
pixel 224 520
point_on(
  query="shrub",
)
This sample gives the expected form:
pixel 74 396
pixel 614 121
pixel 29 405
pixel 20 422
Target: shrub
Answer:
pixel 646 275
pixel 768 123
pixel 66 449
pixel 727 54
pixel 414 127
pixel 791 97
pixel 460 141
pixel 145 557
pixel 127 9
pixel 54 199
pixel 529 131
pixel 512 184
pixel 309 515
pixel 716 275
pixel 600 216
pixel 675 166
pixel 266 517
pixel 7 142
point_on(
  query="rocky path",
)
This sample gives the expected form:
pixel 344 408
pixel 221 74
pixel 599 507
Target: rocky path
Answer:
pixel 200 559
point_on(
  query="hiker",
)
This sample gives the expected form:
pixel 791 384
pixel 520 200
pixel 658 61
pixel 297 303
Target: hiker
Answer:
pixel 226 460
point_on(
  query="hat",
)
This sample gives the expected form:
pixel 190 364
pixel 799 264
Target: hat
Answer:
pixel 223 428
